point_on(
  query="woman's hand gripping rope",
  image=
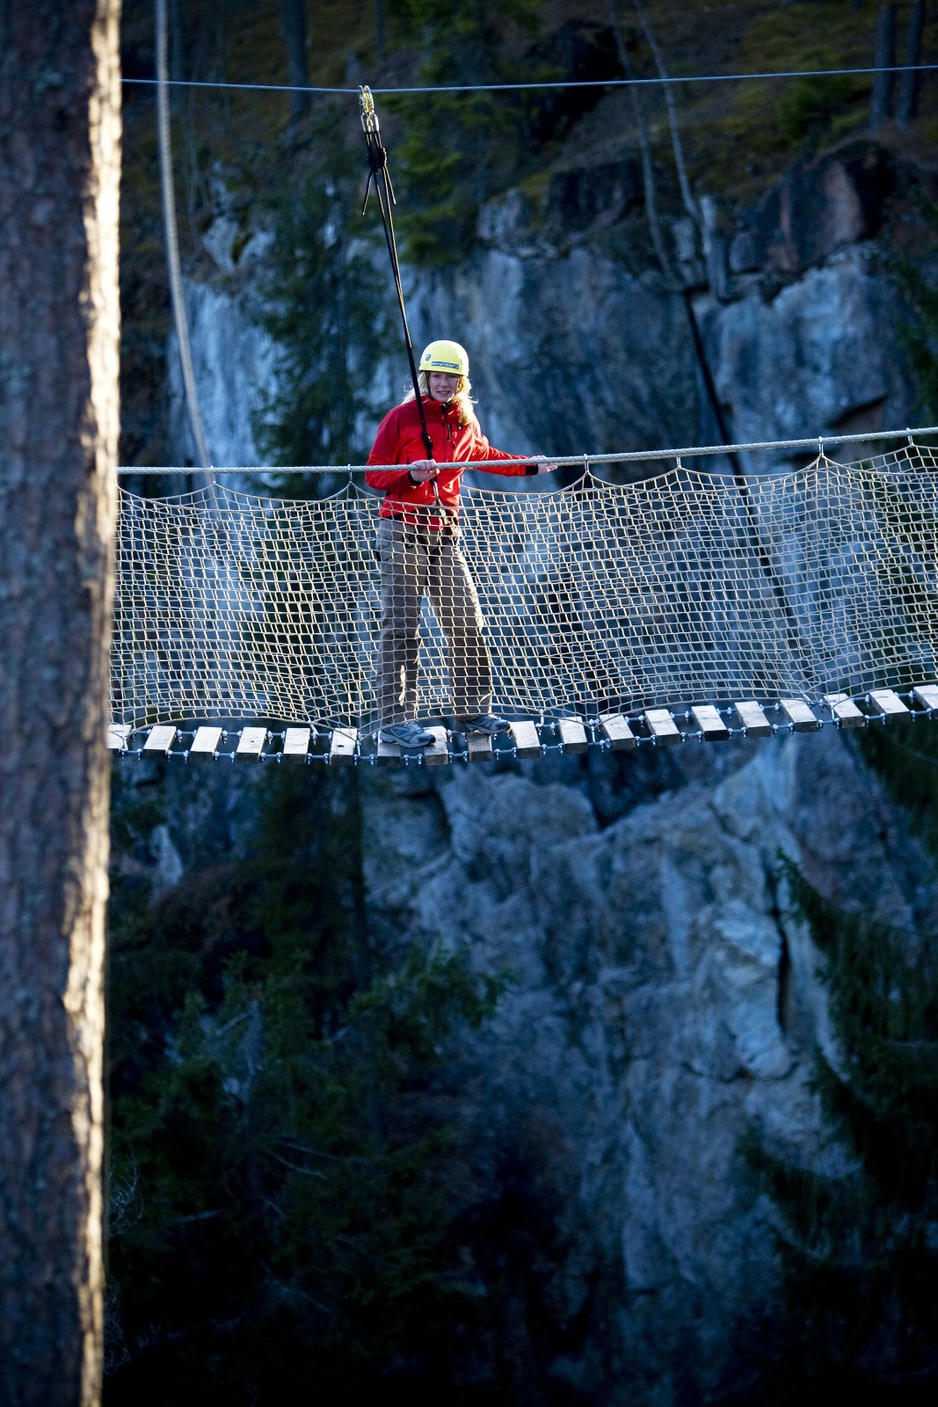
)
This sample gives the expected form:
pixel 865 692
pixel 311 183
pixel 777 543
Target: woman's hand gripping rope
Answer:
pixel 424 469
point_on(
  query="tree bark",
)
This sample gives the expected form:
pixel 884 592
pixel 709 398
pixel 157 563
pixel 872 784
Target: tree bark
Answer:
pixel 59 324
pixel 293 13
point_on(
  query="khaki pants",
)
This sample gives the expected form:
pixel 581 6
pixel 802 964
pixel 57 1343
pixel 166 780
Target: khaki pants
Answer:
pixel 417 562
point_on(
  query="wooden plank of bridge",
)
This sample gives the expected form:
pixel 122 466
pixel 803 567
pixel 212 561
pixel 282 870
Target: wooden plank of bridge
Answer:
pixel 753 719
pixel 616 730
pixel 205 743
pixel 800 715
pixel 160 740
pixel 926 696
pixel 296 745
pixel 572 735
pixel 664 730
pixel 438 751
pixel 480 747
pixel 710 723
pixel 250 744
pixel 117 735
pixel 845 711
pixel 885 702
pixel 342 746
pixel 527 739
pixel 388 752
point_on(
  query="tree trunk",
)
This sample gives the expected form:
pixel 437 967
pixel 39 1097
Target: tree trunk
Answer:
pixel 59 323
pixel 885 57
pixel 910 79
pixel 293 13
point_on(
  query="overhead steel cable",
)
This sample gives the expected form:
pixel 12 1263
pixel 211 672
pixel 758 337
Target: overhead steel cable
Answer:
pixel 655 80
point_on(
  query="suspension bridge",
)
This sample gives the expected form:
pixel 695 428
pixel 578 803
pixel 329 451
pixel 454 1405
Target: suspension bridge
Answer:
pixel 685 605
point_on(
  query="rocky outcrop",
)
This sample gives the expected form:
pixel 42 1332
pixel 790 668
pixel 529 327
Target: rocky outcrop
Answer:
pixel 817 208
pixel 664 1008
pixel 575 355
pixel 571 354
pixel 823 355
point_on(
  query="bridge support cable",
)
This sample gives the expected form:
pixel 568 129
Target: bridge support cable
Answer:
pixel 795 642
pixel 675 284
pixel 172 241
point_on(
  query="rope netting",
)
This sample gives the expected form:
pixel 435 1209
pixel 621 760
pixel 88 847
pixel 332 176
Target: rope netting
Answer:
pixel 679 589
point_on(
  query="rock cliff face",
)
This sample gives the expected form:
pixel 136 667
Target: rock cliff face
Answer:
pixel 578 346
pixel 664 1007
pixel 823 355
pixel 577 354
pixel 234 366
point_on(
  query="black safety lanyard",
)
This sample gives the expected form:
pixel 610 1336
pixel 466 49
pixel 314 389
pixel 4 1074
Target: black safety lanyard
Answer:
pixel 380 177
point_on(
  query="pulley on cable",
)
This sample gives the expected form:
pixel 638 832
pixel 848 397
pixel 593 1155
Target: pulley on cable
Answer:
pixel 379 178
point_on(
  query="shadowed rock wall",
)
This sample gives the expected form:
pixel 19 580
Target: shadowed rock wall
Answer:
pixel 664 1009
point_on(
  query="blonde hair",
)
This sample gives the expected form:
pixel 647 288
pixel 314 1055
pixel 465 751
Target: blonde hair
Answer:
pixel 462 397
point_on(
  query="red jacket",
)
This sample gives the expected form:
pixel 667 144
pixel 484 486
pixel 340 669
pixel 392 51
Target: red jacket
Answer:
pixel 399 441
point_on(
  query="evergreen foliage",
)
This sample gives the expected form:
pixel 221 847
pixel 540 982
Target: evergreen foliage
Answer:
pixel 859 1251
pixel 284 1187
pixel 456 149
pixel 815 110
pixel 905 755
pixel 921 331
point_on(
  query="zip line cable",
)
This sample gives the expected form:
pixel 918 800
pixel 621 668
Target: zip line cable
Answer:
pixel 655 81
pixel 638 456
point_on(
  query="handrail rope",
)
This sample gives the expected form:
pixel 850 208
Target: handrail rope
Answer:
pixel 656 81
pixel 624 457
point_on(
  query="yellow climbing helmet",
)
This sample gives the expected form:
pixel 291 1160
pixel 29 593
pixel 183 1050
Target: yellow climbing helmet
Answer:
pixel 445 356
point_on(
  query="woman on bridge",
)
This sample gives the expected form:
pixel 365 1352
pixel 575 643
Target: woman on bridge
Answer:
pixel 418 547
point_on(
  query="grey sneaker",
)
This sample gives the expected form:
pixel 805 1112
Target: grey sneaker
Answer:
pixel 406 735
pixel 486 723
